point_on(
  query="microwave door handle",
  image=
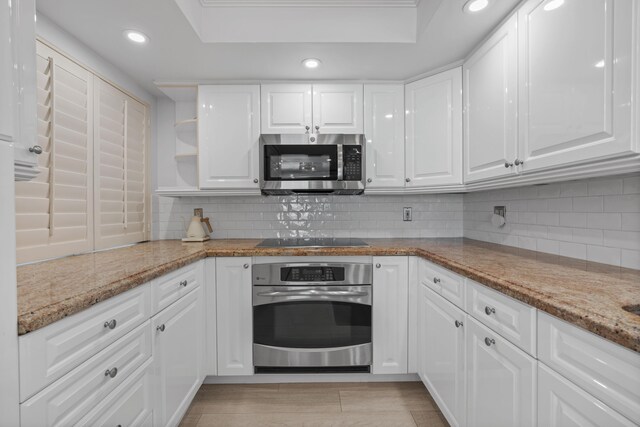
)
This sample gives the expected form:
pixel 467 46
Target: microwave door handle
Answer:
pixel 340 162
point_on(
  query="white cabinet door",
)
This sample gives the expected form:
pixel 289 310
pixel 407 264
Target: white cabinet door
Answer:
pixel 563 404
pixel 228 135
pixel 384 133
pixel 6 74
pixel 389 314
pixel 442 354
pixel 285 108
pixel 177 345
pixel 490 118
pixel 25 118
pixel 501 380
pixel 575 81
pixel 434 130
pixel 338 108
pixel 234 316
pixel 211 354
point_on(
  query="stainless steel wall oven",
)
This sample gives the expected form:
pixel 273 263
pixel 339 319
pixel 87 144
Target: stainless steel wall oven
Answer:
pixel 312 317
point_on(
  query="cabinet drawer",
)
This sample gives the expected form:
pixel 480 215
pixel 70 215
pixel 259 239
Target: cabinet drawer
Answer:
pixel 173 286
pixel 69 399
pixel 606 370
pixel 510 318
pixel 561 403
pixel 51 352
pixel 131 404
pixel 448 284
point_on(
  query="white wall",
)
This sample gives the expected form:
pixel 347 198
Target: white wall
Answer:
pixel 314 216
pixel 596 219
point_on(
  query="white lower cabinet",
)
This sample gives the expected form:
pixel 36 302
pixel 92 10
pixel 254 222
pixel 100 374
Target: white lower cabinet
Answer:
pixel 501 380
pixel 389 314
pixel 177 346
pixel 234 316
pixel 441 351
pixel 131 404
pixel 563 404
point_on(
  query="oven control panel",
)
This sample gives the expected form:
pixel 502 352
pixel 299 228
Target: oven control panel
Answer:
pixel 311 274
pixel 352 161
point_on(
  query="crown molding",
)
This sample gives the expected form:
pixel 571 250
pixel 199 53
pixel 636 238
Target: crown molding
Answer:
pixel 310 3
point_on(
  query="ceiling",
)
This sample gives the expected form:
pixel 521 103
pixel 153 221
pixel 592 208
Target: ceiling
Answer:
pixel 176 53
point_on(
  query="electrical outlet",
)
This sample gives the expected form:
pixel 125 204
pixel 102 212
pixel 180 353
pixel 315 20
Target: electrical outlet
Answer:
pixel 406 214
pixel 500 210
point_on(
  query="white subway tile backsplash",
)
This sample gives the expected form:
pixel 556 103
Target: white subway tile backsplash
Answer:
pixel 314 216
pixel 597 219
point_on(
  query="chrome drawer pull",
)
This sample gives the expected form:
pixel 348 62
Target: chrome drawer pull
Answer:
pixel 489 310
pixel 436 280
pixel 488 341
pixel 184 283
pixel 111 324
pixel 458 323
pixel 160 328
pixel 111 372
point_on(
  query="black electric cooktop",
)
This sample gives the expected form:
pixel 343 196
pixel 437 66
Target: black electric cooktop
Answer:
pixel 312 242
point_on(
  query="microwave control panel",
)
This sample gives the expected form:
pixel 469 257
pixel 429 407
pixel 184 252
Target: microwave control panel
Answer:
pixel 352 161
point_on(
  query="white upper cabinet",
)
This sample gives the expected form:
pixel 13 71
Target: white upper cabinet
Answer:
pixel 305 108
pixel 286 108
pixel 228 135
pixel 21 122
pixel 434 130
pixel 490 119
pixel 6 74
pixel 384 133
pixel 575 81
pixel 337 108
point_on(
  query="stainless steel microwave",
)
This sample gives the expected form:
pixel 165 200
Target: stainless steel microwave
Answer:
pixel 312 164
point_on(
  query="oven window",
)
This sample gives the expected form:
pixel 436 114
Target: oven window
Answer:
pixel 300 162
pixel 312 324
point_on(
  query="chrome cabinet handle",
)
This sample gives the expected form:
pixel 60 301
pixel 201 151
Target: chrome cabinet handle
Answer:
pixel 245 266
pixel 508 165
pixel 111 324
pixel 307 129
pixel 489 310
pixel 458 323
pixel 35 149
pixel 369 180
pixel 518 162
pixel 407 179
pixel 255 180
pixel 111 372
pixel 184 283
pixel 378 265
pixel 436 280
pixel 317 128
pixel 160 328
pixel 488 341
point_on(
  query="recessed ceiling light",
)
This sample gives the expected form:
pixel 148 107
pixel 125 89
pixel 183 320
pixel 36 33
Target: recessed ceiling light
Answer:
pixel 599 64
pixel 311 63
pixel 473 6
pixel 136 36
pixel 553 4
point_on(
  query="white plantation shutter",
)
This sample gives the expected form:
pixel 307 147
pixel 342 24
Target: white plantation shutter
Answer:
pixel 54 212
pixel 121 199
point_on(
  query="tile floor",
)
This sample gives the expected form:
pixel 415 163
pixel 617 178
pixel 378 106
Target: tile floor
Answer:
pixel 314 404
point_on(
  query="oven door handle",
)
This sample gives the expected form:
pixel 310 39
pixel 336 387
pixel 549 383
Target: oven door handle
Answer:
pixel 313 294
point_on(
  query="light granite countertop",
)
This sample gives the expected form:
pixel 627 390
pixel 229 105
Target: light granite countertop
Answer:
pixel 589 295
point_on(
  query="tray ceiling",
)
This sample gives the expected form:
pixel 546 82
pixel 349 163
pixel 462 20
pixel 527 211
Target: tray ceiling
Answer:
pixel 309 3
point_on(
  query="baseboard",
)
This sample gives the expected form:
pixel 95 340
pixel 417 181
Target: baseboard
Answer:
pixel 309 378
